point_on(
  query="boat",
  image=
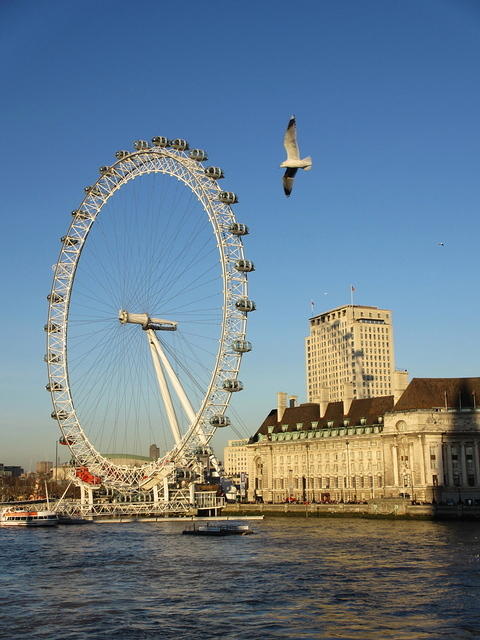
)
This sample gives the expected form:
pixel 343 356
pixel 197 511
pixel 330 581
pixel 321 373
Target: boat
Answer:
pixel 23 518
pixel 219 530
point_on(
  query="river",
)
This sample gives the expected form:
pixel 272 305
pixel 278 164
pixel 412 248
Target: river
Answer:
pixel 295 578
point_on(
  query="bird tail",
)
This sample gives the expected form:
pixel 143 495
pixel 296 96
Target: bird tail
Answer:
pixel 308 162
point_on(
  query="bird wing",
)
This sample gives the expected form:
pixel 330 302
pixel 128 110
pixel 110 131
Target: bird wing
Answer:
pixel 290 140
pixel 288 178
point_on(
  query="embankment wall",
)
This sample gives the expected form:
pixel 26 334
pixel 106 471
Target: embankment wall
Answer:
pixel 381 508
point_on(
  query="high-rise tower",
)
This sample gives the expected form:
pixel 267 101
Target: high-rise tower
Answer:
pixel 349 353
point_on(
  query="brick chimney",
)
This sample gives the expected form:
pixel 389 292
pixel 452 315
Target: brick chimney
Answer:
pixel 347 397
pixel 400 383
pixel 281 404
pixel 323 401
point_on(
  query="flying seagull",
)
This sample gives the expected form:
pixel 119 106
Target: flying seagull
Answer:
pixel 293 161
pixel 441 244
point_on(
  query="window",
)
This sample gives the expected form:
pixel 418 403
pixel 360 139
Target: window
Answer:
pixel 433 457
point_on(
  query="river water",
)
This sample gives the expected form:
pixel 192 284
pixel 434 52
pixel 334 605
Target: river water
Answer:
pixel 296 578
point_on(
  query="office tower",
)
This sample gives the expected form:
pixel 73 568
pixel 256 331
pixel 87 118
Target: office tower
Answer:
pixel 154 452
pixel 349 354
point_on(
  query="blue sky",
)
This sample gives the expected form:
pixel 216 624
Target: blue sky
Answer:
pixel 387 98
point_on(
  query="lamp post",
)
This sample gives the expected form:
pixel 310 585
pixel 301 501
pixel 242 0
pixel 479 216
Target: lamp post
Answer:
pixel 348 469
pixel 56 459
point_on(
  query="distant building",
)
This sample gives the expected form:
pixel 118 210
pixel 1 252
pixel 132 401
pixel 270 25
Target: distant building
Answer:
pixel 425 446
pixel 43 466
pixel 235 457
pixel 13 470
pixel 349 352
pixel 154 452
pixel 62 472
pixel 128 459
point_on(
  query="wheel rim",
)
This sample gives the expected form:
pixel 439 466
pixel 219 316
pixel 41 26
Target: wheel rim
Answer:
pixel 132 168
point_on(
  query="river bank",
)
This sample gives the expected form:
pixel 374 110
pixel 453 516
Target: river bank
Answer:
pixel 383 508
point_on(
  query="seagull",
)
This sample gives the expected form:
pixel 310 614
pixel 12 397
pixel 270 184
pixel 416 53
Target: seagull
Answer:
pixel 293 161
pixel 441 244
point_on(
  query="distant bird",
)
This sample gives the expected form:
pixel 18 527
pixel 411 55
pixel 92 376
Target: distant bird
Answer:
pixel 293 161
pixel 441 244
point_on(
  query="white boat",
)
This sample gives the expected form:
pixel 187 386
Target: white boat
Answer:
pixel 24 518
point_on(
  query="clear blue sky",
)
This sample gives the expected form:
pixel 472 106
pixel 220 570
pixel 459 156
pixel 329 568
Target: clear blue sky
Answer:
pixel 387 99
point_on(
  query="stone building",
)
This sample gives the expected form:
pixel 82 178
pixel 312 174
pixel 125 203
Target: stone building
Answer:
pixel 154 452
pixel 351 345
pixel 423 446
pixel 235 457
pixel 43 467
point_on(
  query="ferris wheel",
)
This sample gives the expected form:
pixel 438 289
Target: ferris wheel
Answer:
pixel 147 316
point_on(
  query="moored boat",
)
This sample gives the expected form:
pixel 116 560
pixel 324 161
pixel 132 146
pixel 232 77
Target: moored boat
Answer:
pixel 219 529
pixel 24 518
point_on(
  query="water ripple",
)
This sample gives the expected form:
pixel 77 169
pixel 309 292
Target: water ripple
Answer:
pixel 322 579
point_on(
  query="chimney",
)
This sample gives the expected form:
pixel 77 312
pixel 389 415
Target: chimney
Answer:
pixel 324 400
pixel 400 383
pixel 281 404
pixel 347 397
pixel 292 401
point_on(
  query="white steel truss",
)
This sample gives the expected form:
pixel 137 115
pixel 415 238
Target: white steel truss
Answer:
pixel 204 423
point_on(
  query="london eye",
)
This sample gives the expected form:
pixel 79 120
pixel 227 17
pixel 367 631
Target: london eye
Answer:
pixel 147 315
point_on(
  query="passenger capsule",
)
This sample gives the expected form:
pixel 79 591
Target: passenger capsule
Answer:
pixel 51 327
pixel 179 144
pixel 246 305
pixel 232 385
pixel 242 346
pixel 244 265
pixel 55 298
pixel 92 190
pixel 238 229
pixel 64 440
pixel 198 154
pixel 214 172
pixel 81 214
pixel 60 415
pixel 52 358
pixel 54 386
pixel 141 144
pixel 68 241
pixel 220 421
pixel 120 155
pixel 161 141
pixel 106 171
pixel 228 197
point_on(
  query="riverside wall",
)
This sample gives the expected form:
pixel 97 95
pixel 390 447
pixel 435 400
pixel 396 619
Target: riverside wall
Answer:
pixel 381 508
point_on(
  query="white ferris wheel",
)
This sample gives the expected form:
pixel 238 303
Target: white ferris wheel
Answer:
pixel 147 316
